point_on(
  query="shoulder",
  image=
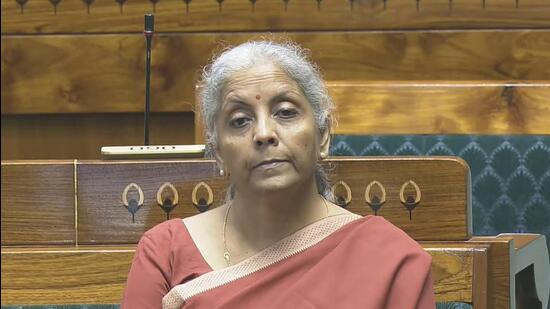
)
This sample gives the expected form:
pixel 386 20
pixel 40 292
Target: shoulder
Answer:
pixel 167 243
pixel 162 233
pixel 165 230
pixel 378 233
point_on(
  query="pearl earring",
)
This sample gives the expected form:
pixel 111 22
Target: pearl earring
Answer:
pixel 222 173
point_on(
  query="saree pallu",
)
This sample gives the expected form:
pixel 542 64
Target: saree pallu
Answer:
pixel 343 261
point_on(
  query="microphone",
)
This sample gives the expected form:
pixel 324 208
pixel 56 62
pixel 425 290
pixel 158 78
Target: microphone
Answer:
pixel 148 32
pixel 149 23
pixel 146 151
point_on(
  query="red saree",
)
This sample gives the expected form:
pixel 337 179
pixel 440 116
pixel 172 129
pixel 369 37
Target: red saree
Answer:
pixel 343 261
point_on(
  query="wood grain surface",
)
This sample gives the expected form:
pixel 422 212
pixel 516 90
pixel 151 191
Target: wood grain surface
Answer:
pixel 63 275
pixel 97 274
pixel 481 265
pixel 38 203
pixel 443 108
pixel 459 272
pixel 443 183
pixel 103 219
pixel 73 16
pixel 81 136
pixel 499 270
pixel 105 73
pixel 364 108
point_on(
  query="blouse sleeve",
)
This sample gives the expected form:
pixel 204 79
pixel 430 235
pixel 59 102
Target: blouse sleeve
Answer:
pixel 148 279
pixel 412 285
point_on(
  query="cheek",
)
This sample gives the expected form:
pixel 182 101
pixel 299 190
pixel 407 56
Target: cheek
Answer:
pixel 232 150
pixel 305 139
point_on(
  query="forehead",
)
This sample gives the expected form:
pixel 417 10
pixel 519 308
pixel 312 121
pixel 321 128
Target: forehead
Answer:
pixel 262 78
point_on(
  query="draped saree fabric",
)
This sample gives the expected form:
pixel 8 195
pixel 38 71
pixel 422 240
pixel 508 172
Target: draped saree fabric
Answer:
pixel 343 261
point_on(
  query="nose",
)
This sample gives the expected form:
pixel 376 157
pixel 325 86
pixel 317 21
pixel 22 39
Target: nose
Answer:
pixel 264 134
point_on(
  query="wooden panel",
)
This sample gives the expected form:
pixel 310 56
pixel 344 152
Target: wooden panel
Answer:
pixel 99 74
pixel 73 16
pixel 443 183
pixel 105 73
pixel 65 276
pixel 38 203
pixel 102 217
pixel 94 274
pixel 442 108
pixel 82 136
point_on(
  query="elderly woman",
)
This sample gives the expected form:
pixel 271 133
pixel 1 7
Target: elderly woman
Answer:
pixel 279 241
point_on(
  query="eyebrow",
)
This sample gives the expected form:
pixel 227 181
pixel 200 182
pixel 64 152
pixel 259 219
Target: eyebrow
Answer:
pixel 236 99
pixel 286 94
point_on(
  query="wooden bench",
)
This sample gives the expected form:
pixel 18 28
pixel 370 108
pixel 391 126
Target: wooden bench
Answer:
pixel 68 235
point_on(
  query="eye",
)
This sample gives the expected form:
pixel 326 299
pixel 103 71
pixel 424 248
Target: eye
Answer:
pixel 286 113
pixel 239 122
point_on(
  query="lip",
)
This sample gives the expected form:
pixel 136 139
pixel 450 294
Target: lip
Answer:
pixel 270 163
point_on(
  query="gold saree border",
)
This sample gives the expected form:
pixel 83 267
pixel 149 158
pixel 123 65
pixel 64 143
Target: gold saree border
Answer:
pixel 291 245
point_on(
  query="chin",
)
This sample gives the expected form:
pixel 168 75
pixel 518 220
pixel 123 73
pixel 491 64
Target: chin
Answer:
pixel 275 184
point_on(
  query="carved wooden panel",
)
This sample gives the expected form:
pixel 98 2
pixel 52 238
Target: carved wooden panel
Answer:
pixel 74 16
pixel 415 193
pixel 118 201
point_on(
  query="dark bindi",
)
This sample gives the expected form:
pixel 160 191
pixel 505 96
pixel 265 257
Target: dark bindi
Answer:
pixel 258 97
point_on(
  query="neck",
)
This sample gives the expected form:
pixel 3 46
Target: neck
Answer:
pixel 259 220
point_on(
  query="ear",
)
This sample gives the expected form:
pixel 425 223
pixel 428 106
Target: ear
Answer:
pixel 324 145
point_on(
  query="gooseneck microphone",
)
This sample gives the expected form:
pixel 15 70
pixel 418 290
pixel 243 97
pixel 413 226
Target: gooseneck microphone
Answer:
pixel 148 32
pixel 146 151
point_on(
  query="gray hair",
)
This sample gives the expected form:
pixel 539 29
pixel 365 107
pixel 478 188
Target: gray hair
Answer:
pixel 291 59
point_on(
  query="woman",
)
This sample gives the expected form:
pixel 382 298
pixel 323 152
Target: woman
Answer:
pixel 278 241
